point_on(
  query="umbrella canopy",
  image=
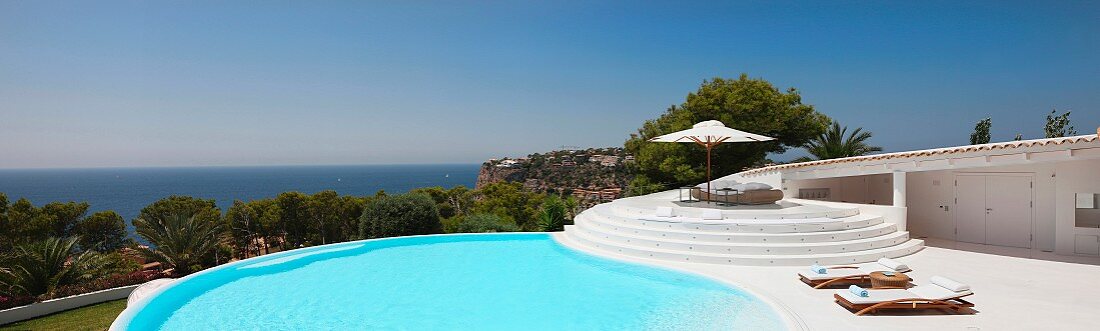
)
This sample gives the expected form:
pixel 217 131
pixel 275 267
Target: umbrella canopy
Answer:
pixel 710 131
pixel 709 134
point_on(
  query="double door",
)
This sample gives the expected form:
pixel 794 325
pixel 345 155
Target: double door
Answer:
pixel 994 209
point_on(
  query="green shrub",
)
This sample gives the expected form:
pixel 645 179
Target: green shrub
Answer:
pixel 481 223
pixel 552 214
pixel 399 215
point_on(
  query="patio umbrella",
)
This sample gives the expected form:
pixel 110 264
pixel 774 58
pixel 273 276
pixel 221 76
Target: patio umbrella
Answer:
pixel 709 134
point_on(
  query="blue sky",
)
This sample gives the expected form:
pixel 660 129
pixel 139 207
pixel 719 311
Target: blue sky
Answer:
pixel 87 84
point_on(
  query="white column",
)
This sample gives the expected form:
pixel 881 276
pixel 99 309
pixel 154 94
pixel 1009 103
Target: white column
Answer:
pixel 899 189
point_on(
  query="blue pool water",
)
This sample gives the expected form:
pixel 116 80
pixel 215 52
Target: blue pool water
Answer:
pixel 447 282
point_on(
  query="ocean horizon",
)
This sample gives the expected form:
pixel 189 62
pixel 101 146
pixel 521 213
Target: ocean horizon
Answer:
pixel 128 190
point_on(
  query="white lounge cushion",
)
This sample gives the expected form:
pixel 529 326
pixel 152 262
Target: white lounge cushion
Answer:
pixel 949 284
pixel 711 214
pixel 832 273
pixel 936 292
pixel 861 270
pixel 894 265
pixel 930 292
pixel 664 212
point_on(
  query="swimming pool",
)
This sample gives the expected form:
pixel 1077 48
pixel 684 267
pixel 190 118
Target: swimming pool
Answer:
pixel 439 282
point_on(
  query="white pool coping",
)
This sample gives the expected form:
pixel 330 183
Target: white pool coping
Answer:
pixel 1011 293
pixel 790 318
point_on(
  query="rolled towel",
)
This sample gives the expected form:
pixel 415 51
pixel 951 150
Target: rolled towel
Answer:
pixel 817 269
pixel 859 291
pixel 949 284
pixel 893 264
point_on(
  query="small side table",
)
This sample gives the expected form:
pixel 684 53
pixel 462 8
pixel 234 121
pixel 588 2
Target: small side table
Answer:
pixel 880 279
pixel 690 189
pixel 724 196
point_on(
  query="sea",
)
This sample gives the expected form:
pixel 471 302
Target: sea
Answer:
pixel 128 190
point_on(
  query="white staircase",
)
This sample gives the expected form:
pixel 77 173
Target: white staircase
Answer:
pixel 824 236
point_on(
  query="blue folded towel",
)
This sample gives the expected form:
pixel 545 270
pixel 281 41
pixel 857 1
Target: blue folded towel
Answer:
pixel 817 269
pixel 858 291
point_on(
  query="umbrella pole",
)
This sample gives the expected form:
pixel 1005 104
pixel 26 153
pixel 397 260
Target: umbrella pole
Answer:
pixel 708 173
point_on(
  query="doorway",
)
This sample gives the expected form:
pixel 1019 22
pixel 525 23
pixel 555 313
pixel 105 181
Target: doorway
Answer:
pixel 994 209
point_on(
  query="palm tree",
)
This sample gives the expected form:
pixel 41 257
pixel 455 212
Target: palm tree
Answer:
pixel 183 242
pixel 834 144
pixel 41 267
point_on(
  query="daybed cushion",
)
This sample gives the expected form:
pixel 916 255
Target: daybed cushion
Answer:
pixel 746 187
pixel 949 284
pixel 717 184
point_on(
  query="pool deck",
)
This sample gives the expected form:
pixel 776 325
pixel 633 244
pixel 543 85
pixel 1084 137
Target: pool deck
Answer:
pixel 1015 289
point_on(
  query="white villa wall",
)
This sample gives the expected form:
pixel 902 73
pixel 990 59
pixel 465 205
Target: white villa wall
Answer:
pixel 869 189
pixel 931 199
pixel 929 190
pixel 1073 178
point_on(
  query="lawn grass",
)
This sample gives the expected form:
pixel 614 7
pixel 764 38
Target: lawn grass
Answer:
pixel 95 317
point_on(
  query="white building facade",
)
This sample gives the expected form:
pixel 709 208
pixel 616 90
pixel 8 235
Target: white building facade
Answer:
pixel 1035 194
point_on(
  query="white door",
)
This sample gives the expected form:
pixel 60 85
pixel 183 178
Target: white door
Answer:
pixel 1008 202
pixel 970 208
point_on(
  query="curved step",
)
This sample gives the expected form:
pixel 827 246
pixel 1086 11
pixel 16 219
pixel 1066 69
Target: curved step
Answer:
pixel 602 224
pixel 631 211
pixel 796 248
pixel 905 248
pixel 851 222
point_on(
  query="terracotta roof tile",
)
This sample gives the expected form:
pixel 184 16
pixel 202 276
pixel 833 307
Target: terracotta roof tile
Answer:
pixel 934 152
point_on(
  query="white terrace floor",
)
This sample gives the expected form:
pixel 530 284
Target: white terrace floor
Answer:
pixel 1015 289
pixel 1011 293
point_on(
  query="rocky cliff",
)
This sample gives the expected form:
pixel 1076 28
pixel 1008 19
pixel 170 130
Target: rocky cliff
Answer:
pixel 561 171
pixel 491 173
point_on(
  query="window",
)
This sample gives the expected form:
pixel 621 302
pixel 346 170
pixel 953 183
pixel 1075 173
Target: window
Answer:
pixel 1086 213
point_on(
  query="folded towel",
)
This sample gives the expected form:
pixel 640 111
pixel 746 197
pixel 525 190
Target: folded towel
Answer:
pixel 817 269
pixel 893 264
pixel 859 291
pixel 664 212
pixel 949 284
pixel 711 214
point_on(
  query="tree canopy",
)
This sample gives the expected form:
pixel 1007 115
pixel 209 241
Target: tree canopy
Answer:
pixel 103 232
pixel 747 104
pixel 511 202
pixel 400 215
pixel 981 132
pixel 1058 125
pixel 836 142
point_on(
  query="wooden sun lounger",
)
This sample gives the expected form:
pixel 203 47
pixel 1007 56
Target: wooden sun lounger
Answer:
pixel 857 279
pixel 952 304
